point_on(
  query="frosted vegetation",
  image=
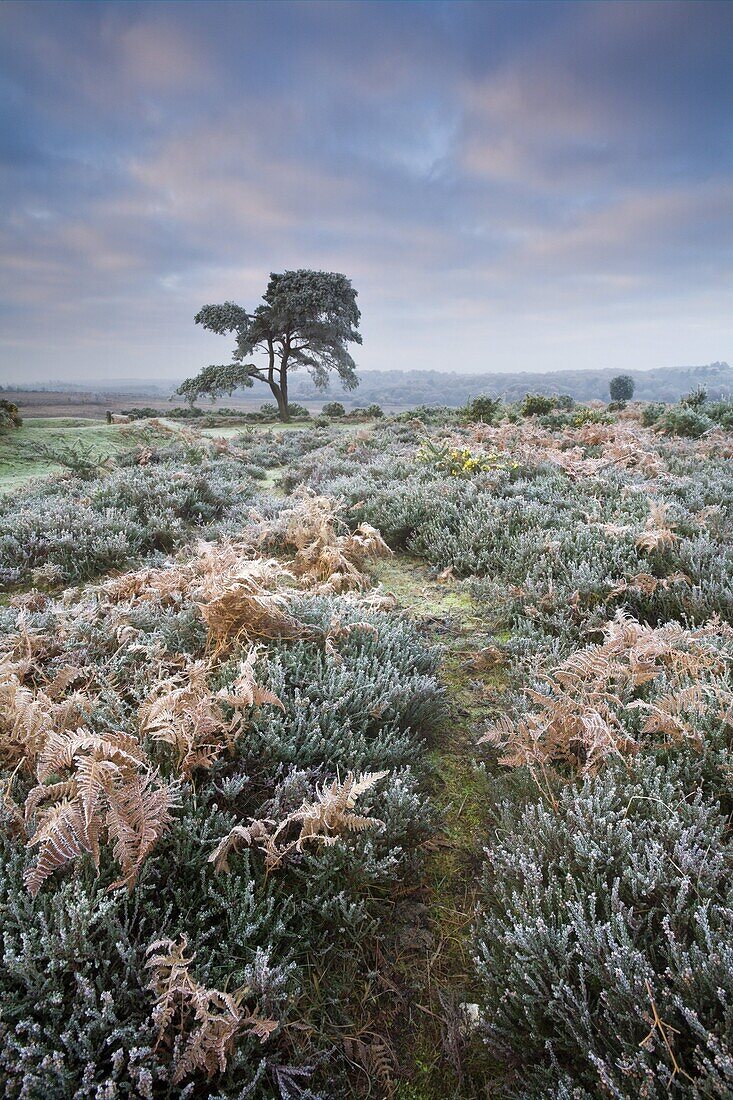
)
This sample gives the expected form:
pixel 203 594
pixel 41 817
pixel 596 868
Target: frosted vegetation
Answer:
pixel 221 760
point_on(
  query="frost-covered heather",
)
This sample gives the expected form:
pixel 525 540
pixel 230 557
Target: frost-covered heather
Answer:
pixel 603 939
pixel 74 529
pixel 560 549
pixel 597 914
pixel 76 1011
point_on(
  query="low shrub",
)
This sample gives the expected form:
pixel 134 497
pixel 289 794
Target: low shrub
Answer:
pixel 89 525
pixel 9 415
pixel 483 409
pixel 604 970
pixel 685 421
pixel 537 404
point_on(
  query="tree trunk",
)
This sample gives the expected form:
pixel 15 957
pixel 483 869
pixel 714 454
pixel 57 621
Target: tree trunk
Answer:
pixel 282 401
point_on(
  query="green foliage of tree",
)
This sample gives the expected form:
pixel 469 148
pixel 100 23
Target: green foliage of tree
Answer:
pixel 621 388
pixel 307 320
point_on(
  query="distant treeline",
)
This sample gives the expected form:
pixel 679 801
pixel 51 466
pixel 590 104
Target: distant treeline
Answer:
pixel 429 387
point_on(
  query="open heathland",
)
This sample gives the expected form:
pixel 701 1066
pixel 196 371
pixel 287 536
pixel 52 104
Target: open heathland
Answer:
pixel 390 762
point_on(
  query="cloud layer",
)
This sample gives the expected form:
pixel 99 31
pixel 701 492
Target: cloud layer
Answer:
pixel 510 186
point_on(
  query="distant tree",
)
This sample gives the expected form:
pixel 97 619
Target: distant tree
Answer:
pixel 333 408
pixel 621 388
pixel 307 320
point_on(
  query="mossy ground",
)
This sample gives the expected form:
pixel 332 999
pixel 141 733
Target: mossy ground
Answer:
pixel 439 1058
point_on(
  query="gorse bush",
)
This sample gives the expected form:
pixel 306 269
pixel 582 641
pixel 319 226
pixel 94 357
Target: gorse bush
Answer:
pixel 536 404
pixel 333 408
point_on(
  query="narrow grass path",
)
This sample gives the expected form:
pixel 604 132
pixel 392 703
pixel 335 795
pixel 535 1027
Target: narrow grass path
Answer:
pixel 440 1059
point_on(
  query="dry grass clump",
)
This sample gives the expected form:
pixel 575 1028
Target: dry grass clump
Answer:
pixel 330 814
pixel 201 1024
pixel 583 713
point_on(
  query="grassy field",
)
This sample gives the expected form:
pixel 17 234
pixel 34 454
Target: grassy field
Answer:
pixel 18 464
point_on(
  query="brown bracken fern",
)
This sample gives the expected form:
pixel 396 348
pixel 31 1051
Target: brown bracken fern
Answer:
pixel 331 814
pixel 181 712
pixel 93 788
pixel 201 1024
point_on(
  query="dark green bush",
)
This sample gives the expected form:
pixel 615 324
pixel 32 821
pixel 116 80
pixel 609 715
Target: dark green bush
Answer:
pixel 684 420
pixel 651 413
pixel 9 415
pixel 484 409
pixel 333 409
pixel 537 404
pixel 298 411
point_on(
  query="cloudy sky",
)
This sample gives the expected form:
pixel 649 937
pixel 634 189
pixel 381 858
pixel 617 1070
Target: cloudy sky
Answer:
pixel 511 186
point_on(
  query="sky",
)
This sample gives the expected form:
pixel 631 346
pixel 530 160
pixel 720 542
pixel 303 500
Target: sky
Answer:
pixel 510 186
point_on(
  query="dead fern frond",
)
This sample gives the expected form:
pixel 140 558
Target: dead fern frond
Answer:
pixel 106 791
pixel 244 613
pixel 338 632
pixel 658 533
pixel 328 556
pixel 323 820
pixel 181 711
pixel 577 716
pixel 245 692
pixel 207 1021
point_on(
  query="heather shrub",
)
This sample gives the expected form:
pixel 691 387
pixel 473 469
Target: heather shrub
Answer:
pixel 604 970
pixel 80 528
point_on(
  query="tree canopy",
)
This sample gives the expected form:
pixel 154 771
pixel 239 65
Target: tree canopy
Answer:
pixel 621 387
pixel 307 320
